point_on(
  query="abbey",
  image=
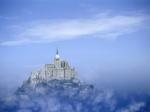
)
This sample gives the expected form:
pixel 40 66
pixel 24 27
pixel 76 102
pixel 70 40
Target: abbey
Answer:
pixel 60 70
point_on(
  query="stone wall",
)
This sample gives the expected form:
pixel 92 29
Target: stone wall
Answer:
pixel 60 70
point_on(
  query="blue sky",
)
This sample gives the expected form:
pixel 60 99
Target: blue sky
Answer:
pixel 106 41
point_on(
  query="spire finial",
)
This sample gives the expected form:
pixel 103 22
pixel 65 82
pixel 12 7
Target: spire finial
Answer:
pixel 57 52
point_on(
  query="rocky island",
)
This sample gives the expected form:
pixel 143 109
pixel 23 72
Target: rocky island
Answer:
pixel 56 88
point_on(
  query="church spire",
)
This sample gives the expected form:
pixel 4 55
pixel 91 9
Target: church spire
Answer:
pixel 57 54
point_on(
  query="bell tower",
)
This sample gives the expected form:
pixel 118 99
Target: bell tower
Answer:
pixel 57 60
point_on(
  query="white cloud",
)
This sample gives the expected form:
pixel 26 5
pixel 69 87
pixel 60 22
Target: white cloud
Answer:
pixel 99 26
pixel 134 107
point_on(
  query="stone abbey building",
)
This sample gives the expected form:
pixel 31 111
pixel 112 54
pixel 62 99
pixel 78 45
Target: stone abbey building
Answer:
pixel 60 70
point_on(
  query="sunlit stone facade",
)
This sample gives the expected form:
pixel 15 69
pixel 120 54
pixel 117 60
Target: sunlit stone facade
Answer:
pixel 60 70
